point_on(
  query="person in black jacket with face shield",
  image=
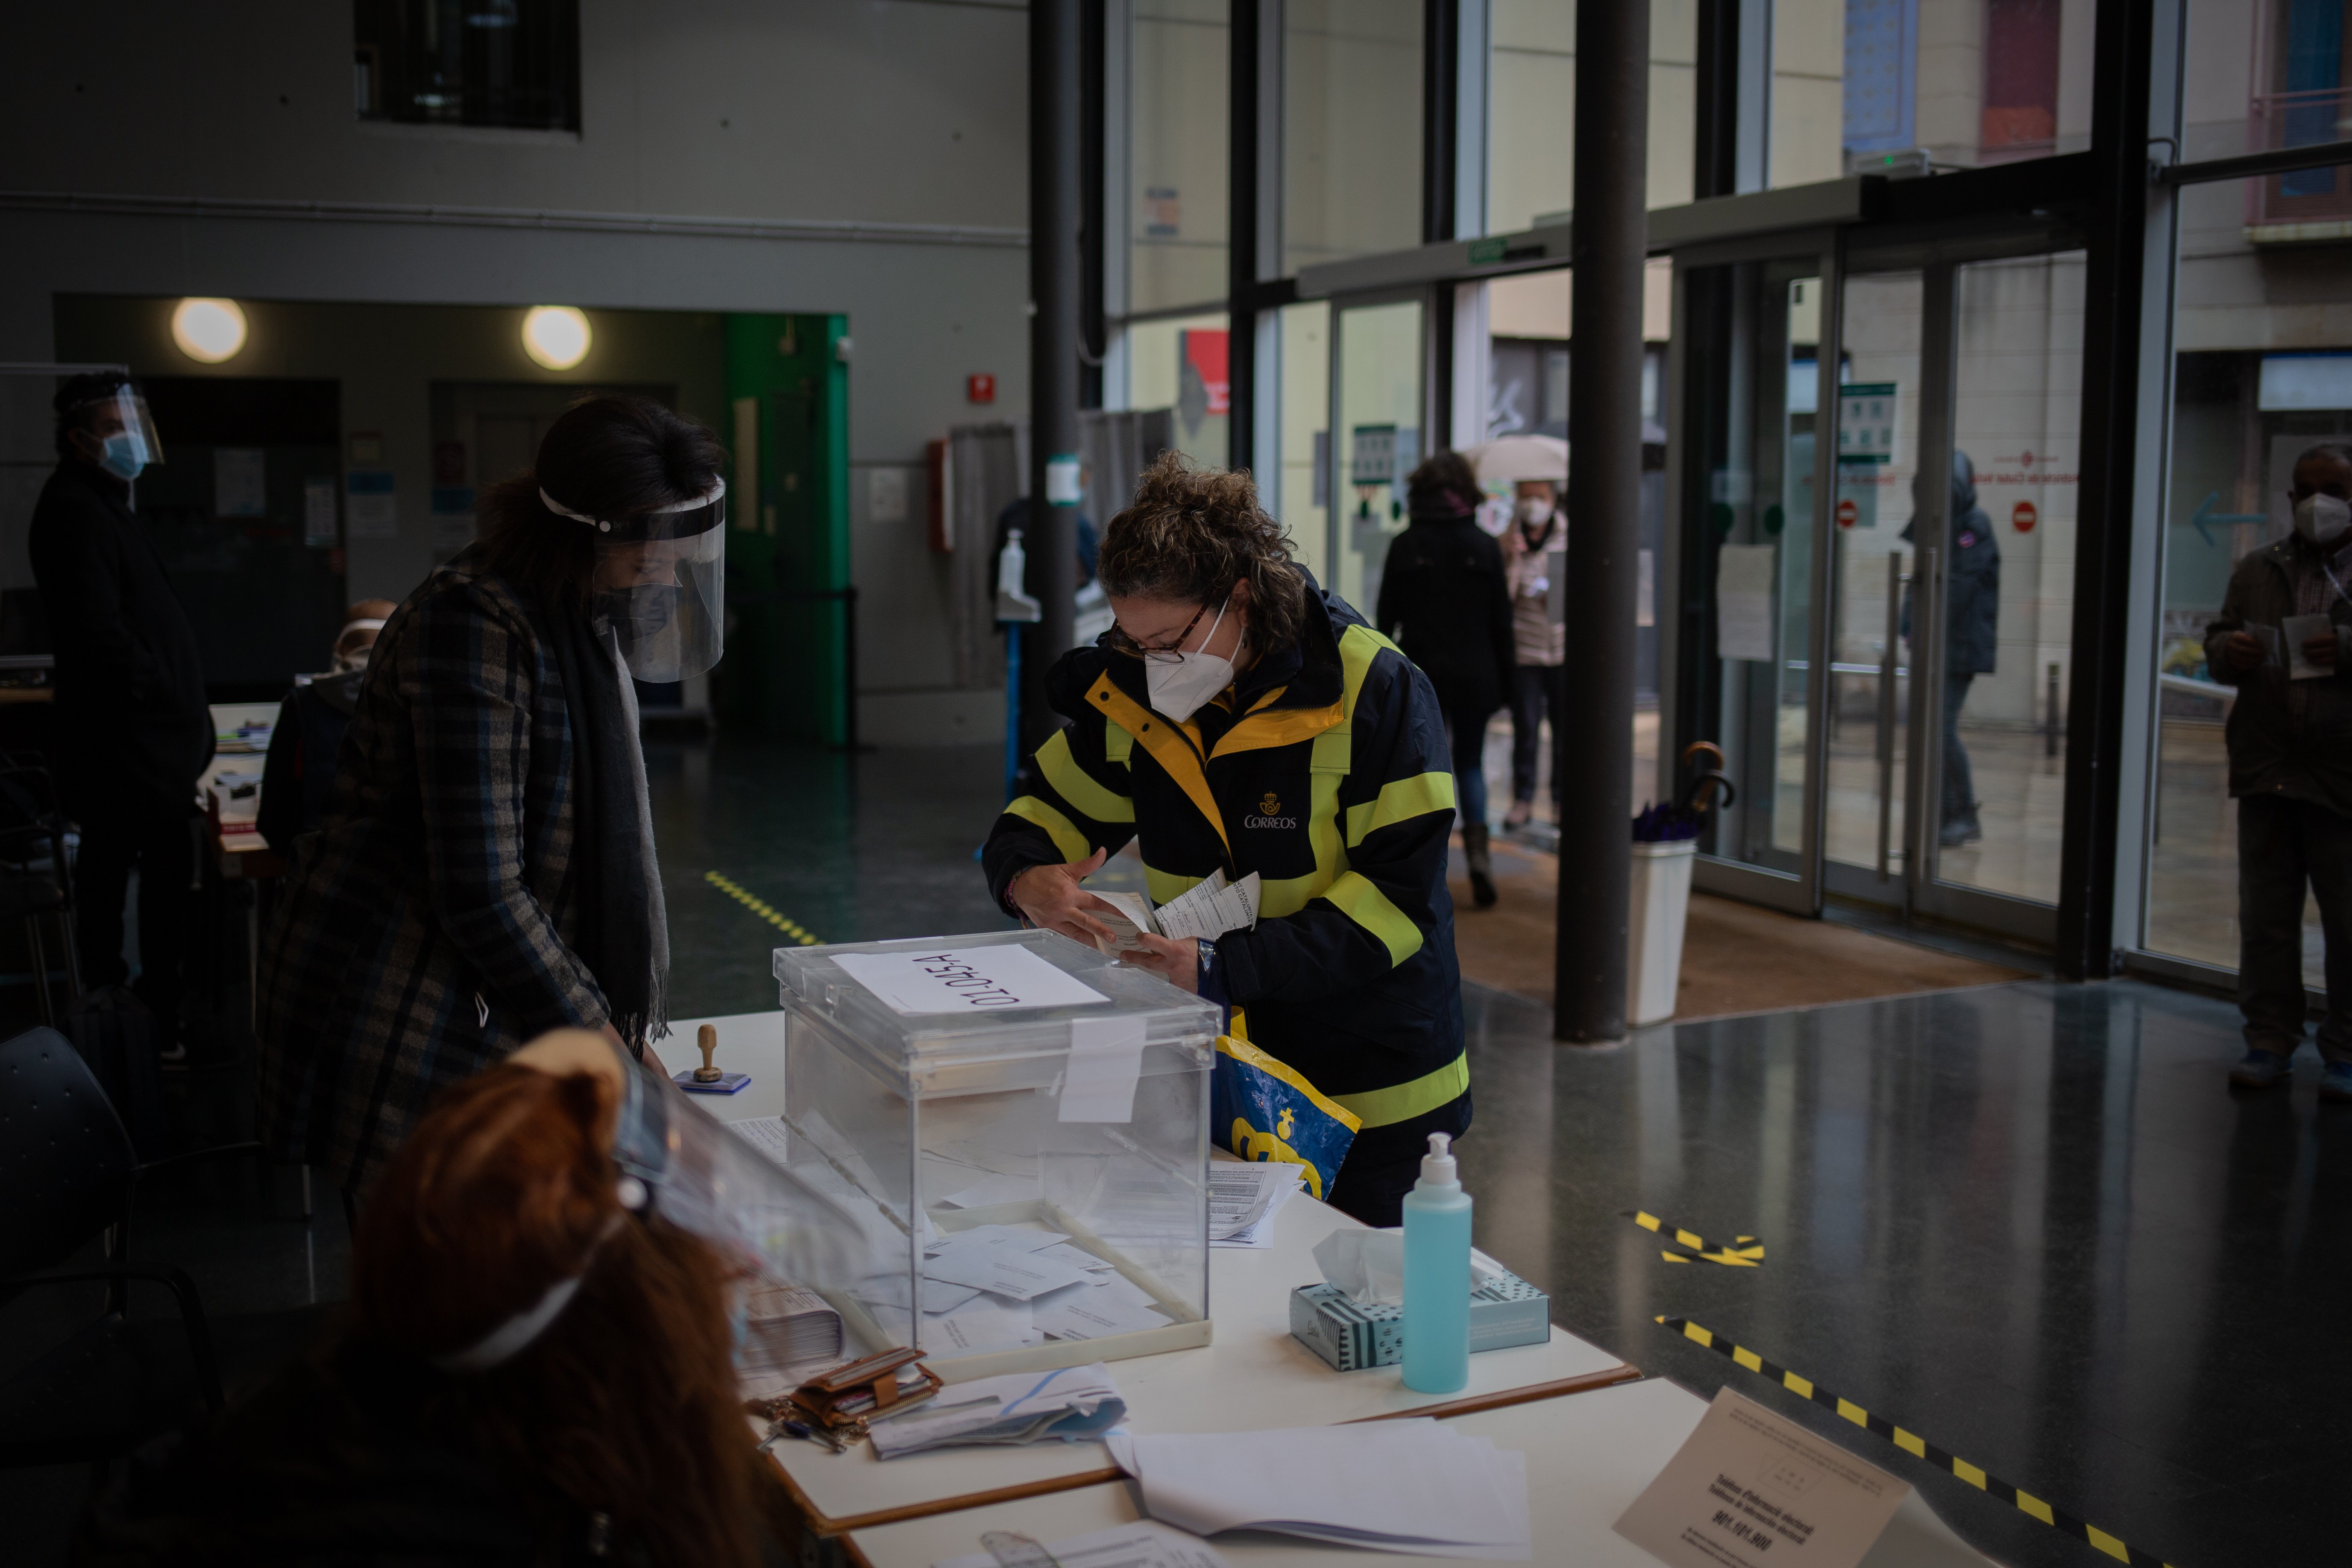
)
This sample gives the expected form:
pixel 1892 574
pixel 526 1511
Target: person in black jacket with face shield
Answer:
pixel 133 731
pixel 1972 624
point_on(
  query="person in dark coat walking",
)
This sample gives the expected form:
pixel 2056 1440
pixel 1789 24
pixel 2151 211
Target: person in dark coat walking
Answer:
pixel 298 775
pixel 2290 741
pixel 1971 628
pixel 1446 598
pixel 486 870
pixel 133 731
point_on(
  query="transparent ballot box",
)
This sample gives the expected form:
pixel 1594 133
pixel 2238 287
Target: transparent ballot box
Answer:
pixel 1009 1134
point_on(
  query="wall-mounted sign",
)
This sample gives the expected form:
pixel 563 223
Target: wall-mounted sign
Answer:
pixel 1866 422
pixel 2022 516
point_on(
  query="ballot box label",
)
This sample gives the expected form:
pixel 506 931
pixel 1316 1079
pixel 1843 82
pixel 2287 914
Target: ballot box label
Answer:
pixel 967 980
pixel 1750 1489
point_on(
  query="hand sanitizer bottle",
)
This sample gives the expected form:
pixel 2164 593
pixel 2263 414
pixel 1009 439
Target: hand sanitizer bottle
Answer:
pixel 1437 1276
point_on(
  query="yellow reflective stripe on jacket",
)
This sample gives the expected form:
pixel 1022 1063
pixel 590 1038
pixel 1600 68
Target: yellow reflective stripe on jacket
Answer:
pixel 1369 907
pixel 1167 886
pixel 1077 786
pixel 1288 895
pixel 1176 756
pixel 1061 829
pixel 1118 746
pixel 1400 800
pixel 1384 1107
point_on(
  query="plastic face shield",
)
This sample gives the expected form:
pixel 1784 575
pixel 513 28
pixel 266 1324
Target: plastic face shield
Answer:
pixel 122 412
pixel 766 1219
pixel 660 582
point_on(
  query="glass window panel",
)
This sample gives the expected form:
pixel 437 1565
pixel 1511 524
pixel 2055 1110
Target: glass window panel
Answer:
pixel 1379 425
pixel 2017 413
pixel 1177 77
pixel 1351 128
pixel 1531 108
pixel 1303 500
pixel 2262 340
pixel 1180 364
pixel 1966 82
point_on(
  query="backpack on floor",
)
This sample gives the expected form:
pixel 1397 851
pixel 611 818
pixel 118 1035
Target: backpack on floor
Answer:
pixel 123 1045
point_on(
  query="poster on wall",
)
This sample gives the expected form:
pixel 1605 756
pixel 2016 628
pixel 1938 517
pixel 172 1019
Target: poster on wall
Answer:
pixel 374 509
pixel 319 511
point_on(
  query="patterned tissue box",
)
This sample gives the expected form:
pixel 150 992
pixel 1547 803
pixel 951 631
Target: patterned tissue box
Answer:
pixel 1505 1311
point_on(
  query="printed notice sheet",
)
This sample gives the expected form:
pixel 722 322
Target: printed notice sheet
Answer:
pixel 966 980
pixel 1743 602
pixel 1749 1489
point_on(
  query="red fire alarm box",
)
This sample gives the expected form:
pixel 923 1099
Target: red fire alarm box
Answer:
pixel 980 388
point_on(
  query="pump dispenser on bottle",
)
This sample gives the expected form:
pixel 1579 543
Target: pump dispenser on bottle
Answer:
pixel 1437 1276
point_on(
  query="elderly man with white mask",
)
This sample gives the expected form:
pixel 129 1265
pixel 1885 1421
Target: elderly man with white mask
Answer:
pixel 2279 639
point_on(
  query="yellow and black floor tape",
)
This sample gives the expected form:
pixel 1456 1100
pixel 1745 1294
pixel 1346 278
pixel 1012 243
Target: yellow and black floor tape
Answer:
pixel 744 897
pixel 1745 1251
pixel 1919 1447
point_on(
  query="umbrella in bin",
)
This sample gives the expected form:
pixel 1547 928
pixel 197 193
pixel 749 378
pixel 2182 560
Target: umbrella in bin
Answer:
pixel 1705 786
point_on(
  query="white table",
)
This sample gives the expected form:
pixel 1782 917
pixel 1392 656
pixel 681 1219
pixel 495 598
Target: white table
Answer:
pixel 1587 1459
pixel 1253 1376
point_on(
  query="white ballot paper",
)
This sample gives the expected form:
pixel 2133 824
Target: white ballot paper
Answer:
pixel 1410 1486
pixel 1072 1404
pixel 1005 1271
pixel 2298 630
pixel 1146 1543
pixel 1206 911
pixel 966 980
pixel 994 1190
pixel 768 1135
pixel 1750 1489
pixel 1743 602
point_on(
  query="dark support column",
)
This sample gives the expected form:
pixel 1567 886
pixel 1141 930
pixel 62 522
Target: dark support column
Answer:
pixel 1241 230
pixel 1441 46
pixel 1094 336
pixel 1055 283
pixel 1715 125
pixel 1594 753
pixel 2113 299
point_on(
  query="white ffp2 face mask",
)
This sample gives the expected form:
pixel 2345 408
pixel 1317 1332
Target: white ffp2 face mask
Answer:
pixel 2322 519
pixel 1533 509
pixel 1177 691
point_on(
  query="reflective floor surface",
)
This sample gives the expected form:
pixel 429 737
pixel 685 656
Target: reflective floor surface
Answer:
pixel 2027 1223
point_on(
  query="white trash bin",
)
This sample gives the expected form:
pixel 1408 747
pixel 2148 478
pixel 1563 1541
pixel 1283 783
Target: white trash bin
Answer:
pixel 1661 905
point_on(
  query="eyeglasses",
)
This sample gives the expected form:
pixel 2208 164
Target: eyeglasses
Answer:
pixel 1173 653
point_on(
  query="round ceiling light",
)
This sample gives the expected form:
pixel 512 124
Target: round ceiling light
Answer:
pixel 208 331
pixel 555 336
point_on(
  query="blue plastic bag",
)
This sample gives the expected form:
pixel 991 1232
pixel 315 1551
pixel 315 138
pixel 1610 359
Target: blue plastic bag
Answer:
pixel 1261 1109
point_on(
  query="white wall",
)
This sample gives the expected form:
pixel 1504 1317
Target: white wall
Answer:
pixel 871 162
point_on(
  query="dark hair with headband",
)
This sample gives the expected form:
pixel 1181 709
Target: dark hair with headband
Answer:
pixel 1191 535
pixel 605 457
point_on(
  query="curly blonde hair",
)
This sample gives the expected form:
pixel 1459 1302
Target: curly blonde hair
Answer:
pixel 1191 534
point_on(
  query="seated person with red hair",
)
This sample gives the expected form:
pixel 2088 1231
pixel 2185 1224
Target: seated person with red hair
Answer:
pixel 536 1367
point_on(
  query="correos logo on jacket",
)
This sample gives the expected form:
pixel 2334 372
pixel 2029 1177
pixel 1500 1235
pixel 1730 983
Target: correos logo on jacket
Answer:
pixel 1268 806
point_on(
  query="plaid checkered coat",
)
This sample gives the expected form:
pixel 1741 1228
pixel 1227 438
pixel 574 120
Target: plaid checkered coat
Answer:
pixel 424 929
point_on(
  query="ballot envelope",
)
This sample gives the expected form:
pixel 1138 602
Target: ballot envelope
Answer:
pixel 1010 1131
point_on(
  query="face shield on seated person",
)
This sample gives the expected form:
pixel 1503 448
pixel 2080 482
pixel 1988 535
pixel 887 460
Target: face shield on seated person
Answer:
pixel 660 580
pixel 772 1220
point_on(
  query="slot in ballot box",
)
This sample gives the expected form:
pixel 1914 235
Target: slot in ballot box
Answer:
pixel 1018 1127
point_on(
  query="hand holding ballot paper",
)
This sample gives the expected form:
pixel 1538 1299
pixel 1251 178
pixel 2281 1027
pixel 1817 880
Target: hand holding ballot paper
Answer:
pixel 1206 913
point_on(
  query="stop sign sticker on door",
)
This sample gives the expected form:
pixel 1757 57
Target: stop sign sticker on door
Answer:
pixel 2022 516
pixel 1847 512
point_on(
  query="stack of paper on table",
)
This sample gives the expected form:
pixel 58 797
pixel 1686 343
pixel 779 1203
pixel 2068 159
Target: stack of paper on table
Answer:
pixel 790 1335
pixel 1002 1287
pixel 1071 1403
pixel 1243 1198
pixel 1413 1486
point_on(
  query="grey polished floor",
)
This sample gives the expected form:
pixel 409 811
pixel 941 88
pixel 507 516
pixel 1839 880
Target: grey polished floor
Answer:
pixel 2027 1223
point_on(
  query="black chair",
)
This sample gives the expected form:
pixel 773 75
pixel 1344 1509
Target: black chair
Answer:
pixel 68 1168
pixel 35 876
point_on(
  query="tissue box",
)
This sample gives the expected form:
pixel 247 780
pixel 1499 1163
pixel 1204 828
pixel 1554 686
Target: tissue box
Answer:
pixel 1505 1311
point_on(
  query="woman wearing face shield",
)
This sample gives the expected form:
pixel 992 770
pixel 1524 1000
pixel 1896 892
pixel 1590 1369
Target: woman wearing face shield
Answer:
pixel 536 1365
pixel 1239 719
pixel 486 868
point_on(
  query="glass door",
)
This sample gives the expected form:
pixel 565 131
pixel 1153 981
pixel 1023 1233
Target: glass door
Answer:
pixel 1958 397
pixel 1377 381
pixel 1752 676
